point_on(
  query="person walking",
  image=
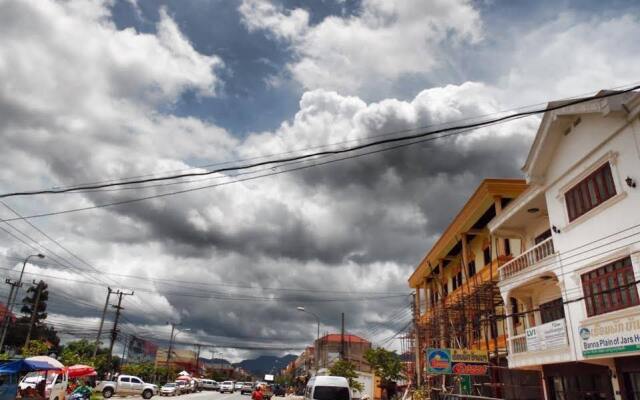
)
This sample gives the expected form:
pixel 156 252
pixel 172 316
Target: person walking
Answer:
pixel 257 394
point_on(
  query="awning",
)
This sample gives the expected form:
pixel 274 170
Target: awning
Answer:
pixel 79 370
pixel 51 361
pixel 27 365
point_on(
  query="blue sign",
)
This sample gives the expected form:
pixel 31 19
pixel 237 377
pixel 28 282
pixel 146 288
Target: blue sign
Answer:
pixel 438 361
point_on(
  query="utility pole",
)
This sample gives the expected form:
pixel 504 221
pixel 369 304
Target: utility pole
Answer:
pixel 13 294
pixel 114 331
pixel 34 311
pixel 104 313
pixel 342 355
pixel 7 314
pixel 173 328
pixel 198 359
pixel 416 316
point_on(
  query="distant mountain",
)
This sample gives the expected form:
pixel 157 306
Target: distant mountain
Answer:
pixel 265 364
pixel 215 361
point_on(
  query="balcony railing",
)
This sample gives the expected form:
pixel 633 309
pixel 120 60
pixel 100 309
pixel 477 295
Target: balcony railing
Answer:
pixel 525 260
pixel 518 344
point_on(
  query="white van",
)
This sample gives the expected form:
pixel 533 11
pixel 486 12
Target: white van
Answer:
pixel 55 387
pixel 327 388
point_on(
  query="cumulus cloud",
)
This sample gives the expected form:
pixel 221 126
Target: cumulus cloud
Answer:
pixel 572 55
pixel 384 41
pixel 83 100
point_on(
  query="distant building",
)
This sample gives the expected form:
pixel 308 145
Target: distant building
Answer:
pixel 180 359
pixel 329 348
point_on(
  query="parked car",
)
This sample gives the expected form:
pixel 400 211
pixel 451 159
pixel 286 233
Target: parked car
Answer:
pixel 169 389
pixel 246 388
pixel 238 385
pixel 183 387
pixel 227 386
pixel 127 385
pixel 209 384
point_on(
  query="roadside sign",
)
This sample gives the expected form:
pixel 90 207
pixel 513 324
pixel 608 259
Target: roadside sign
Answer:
pixel 465 384
pixel 457 361
pixel 438 361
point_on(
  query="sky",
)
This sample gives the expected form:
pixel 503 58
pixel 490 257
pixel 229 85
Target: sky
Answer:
pixel 95 91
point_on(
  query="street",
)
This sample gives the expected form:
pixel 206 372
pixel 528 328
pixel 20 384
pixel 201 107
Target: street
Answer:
pixel 212 395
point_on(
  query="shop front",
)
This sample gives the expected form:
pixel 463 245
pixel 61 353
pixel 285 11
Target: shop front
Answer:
pixel 628 370
pixel 578 381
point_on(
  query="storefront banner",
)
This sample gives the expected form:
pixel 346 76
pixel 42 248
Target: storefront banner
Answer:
pixel 551 335
pixel 457 361
pixel 616 336
pixel 438 361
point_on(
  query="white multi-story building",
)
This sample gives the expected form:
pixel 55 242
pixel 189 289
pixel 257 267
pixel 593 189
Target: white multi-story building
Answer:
pixel 571 292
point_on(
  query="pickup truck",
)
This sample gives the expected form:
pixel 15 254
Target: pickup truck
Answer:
pixel 127 385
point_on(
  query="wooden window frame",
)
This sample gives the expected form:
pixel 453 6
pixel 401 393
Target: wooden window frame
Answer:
pixel 590 192
pixel 602 287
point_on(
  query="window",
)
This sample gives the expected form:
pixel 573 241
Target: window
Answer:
pixel 472 268
pixel 514 310
pixel 552 311
pixel 135 380
pixel 454 283
pixel 592 191
pixel 610 287
pixel 459 276
pixel 125 379
pixel 331 393
pixel 486 253
pixel 507 247
pixel 543 236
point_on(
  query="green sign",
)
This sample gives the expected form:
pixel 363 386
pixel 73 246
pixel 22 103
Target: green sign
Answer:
pixel 620 335
pixel 465 384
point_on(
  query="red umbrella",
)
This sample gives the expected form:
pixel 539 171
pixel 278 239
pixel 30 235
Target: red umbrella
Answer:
pixel 78 370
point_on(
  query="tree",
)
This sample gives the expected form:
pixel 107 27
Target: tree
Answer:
pixel 387 365
pixel 30 299
pixel 35 348
pixel 17 333
pixel 346 369
pixel 81 352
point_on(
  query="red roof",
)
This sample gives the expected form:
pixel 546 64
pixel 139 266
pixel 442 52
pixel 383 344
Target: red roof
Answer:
pixel 336 337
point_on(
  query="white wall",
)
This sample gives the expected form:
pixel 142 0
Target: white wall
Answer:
pixel 592 142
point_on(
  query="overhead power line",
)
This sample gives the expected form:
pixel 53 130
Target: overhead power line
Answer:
pixel 473 125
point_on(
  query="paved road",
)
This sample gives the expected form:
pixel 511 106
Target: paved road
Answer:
pixel 206 395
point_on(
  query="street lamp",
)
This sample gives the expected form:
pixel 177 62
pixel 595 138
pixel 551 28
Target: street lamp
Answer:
pixel 317 335
pixel 171 339
pixel 13 294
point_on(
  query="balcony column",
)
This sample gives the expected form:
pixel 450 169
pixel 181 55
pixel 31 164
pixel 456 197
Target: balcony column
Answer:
pixel 510 330
pixel 497 203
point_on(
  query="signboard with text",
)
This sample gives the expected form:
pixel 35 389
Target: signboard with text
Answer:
pixel 552 335
pixel 456 361
pixel 140 350
pixel 615 336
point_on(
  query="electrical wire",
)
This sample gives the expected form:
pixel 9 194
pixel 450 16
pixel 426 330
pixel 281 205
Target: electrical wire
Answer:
pixel 473 125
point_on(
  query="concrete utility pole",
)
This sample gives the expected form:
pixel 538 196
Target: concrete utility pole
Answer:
pixel 316 345
pixel 171 338
pixel 114 331
pixel 104 313
pixel 342 355
pixel 13 294
pixel 198 346
pixel 34 311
